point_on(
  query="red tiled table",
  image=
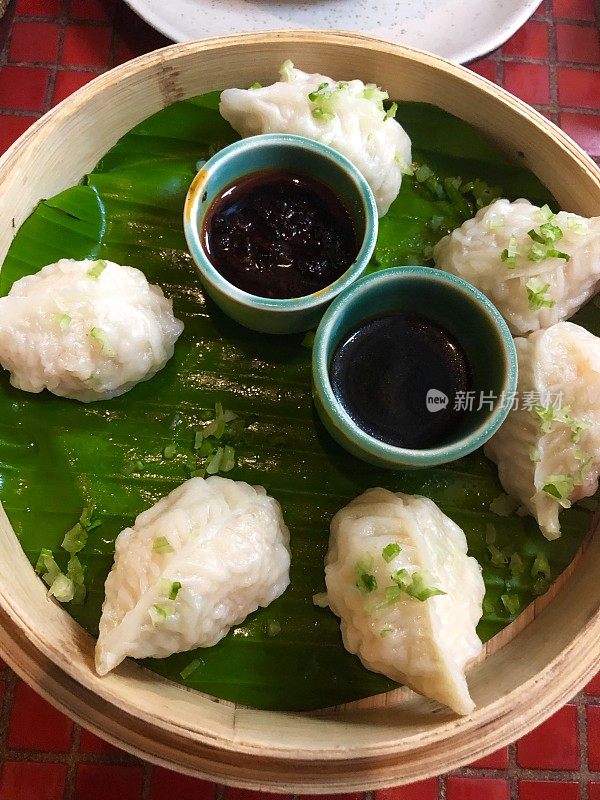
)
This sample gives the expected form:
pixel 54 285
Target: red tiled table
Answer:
pixel 55 46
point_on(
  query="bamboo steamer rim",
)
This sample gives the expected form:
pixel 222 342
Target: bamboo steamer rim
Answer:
pixel 384 741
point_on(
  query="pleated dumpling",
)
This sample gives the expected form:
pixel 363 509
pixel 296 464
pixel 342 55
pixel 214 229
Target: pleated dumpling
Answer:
pixel 193 565
pixel 407 594
pixel 548 449
pixel 88 330
pixel 346 115
pixel 538 268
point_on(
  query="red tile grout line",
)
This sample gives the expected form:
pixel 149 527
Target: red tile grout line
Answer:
pixel 69 790
pixel 54 67
pixel 11 681
pixel 551 62
pixel 442 787
pixel 147 781
pixel 64 18
pixel 584 773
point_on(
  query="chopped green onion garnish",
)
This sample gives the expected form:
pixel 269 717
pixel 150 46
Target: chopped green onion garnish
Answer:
pixel 214 465
pixel 159 612
pixel 319 91
pixel 62 588
pixel 64 320
pixel 576 225
pixel 538 252
pixel 503 505
pixel 546 213
pixel 497 557
pixel 385 632
pixel 76 573
pixel 558 254
pixel 536 295
pixel 541 567
pixel 174 591
pixel 548 415
pixel 550 232
pixel 393 594
pixel 577 427
pixel 162 545
pixel 559 487
pixel 186 672
pixel 423 173
pixel 365 581
pixel 47 567
pixel 375 95
pixel 99 336
pixel 509 256
pixel 321 114
pixel 287 71
pixel 516 565
pixel 489 606
pixel 170 451
pixel 495 222
pixel 227 459
pixel 390 551
pixel 96 269
pixel 75 539
pixel 490 534
pixel 585 467
pixel 536 237
pixel 540 586
pixel 511 603
pixel 88 518
pixel 272 628
pixel 256 85
pixel 391 112
pixel 415 586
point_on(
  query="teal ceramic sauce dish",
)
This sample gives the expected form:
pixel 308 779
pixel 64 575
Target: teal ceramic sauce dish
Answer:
pixel 449 304
pixel 287 153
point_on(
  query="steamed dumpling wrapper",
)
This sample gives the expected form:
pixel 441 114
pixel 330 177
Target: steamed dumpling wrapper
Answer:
pixel 548 448
pixel 346 115
pixel 193 565
pixel 407 594
pixel 88 330
pixel 537 267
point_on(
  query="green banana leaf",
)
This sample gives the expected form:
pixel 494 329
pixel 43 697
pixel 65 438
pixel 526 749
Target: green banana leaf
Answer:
pixel 57 454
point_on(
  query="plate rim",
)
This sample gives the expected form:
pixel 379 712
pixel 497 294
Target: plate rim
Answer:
pixel 460 55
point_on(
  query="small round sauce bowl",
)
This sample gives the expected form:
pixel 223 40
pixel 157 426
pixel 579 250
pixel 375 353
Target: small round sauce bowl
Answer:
pixel 301 156
pixel 466 315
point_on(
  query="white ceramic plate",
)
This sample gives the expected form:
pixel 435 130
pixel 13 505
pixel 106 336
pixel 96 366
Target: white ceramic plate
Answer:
pixel 460 30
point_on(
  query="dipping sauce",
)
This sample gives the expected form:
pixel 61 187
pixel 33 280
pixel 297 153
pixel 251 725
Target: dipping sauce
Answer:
pixel 391 375
pixel 277 234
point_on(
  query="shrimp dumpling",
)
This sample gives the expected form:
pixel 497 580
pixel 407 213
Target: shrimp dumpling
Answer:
pixel 88 330
pixel 407 594
pixel 538 268
pixel 193 565
pixel 548 448
pixel 346 115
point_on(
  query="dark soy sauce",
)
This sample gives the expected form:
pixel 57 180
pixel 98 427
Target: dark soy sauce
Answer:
pixel 277 234
pixel 383 373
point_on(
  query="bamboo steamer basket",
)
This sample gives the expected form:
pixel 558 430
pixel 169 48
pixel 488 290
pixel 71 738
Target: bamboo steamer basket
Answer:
pixel 526 672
